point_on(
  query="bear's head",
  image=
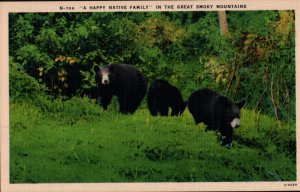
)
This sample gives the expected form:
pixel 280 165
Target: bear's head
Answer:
pixel 233 113
pixel 103 75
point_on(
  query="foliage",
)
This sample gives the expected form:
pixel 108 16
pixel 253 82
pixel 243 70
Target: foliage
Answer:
pixel 60 50
pixel 268 59
pixel 23 86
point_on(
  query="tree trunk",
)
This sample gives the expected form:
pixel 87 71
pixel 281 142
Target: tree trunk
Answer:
pixel 223 23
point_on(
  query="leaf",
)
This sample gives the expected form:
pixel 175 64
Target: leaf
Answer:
pixel 60 58
pixel 71 60
pixel 40 71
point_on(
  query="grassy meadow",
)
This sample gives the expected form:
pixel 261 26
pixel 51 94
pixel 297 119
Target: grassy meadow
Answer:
pixel 76 141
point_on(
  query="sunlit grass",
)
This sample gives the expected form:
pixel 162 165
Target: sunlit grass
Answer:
pixel 76 141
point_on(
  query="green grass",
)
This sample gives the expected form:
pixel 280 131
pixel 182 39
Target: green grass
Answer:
pixel 76 141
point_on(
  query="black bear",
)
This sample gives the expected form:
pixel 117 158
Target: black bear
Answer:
pixel 216 111
pixel 161 96
pixel 91 93
pixel 125 82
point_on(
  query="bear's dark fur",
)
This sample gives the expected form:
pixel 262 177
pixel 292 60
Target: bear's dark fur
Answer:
pixel 161 96
pixel 125 82
pixel 216 111
pixel 91 93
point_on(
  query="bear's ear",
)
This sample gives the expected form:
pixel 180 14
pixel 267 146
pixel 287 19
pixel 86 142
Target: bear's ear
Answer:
pixel 111 68
pixel 241 104
pixel 96 68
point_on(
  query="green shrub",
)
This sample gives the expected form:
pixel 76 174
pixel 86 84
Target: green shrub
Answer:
pixel 22 85
pixel 266 133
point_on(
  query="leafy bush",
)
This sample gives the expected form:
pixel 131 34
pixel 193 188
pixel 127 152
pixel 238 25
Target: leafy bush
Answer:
pixel 22 85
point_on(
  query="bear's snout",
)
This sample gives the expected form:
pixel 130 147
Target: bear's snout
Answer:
pixel 105 82
pixel 235 123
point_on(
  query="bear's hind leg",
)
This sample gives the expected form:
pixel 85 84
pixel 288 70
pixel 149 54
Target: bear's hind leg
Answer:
pixel 197 119
pixel 175 111
pixel 153 111
pixel 152 105
pixel 164 110
pixel 128 105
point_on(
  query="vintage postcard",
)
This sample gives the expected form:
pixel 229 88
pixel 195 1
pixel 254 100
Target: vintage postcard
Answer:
pixel 149 95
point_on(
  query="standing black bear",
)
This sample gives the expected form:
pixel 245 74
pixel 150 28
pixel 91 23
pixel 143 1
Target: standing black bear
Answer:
pixel 216 111
pixel 161 96
pixel 123 81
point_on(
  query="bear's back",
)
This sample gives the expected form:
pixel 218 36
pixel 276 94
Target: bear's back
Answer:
pixel 164 89
pixel 127 80
pixel 203 97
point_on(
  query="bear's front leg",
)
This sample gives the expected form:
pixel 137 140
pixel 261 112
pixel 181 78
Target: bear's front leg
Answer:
pixel 227 133
pixel 123 105
pixel 210 127
pixel 105 100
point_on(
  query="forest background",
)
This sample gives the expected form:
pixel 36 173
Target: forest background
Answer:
pixel 254 60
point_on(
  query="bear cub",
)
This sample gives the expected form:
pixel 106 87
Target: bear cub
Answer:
pixel 217 112
pixel 124 81
pixel 161 96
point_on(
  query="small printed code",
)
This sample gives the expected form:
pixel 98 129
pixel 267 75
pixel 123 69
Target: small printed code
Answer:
pixel 290 184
